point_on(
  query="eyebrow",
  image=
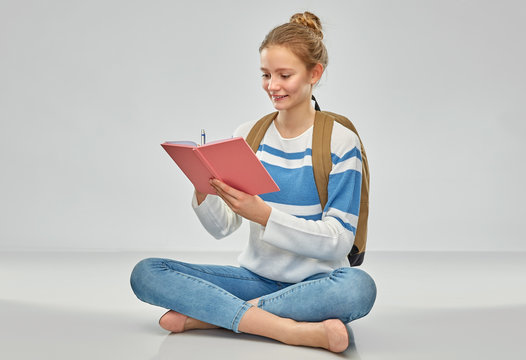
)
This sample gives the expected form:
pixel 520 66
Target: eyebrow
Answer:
pixel 278 70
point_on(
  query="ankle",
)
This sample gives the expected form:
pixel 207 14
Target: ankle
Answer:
pixel 291 332
pixel 305 334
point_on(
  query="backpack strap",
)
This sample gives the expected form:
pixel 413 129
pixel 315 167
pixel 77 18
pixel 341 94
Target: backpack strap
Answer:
pixel 357 253
pixel 321 154
pixel 259 129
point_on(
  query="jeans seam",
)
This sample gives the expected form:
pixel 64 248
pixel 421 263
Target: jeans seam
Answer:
pixel 165 265
pixel 203 282
pixel 264 300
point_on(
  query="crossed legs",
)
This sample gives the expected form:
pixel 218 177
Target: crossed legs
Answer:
pixel 329 334
pixel 212 296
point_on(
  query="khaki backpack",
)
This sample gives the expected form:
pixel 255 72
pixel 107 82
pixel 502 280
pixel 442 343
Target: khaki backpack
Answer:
pixel 322 165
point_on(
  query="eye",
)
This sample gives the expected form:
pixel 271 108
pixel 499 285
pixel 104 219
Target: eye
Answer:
pixel 285 76
pixel 265 76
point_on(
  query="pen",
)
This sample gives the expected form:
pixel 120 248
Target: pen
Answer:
pixel 203 137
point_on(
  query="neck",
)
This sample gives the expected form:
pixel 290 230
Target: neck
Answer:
pixel 293 122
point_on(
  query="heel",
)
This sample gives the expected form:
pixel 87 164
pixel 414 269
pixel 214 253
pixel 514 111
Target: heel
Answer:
pixel 173 321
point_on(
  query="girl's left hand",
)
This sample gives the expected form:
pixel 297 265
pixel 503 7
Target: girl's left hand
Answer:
pixel 251 207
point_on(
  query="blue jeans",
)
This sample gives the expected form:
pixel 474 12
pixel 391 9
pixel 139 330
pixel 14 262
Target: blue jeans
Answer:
pixel 218 294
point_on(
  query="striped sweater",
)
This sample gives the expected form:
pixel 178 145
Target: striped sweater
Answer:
pixel 300 239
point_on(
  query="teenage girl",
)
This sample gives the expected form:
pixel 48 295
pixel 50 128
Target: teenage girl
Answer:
pixel 294 283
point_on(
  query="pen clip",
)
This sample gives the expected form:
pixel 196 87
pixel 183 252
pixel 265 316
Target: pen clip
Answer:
pixel 203 137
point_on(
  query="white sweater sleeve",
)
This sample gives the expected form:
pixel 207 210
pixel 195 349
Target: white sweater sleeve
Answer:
pixel 323 239
pixel 217 218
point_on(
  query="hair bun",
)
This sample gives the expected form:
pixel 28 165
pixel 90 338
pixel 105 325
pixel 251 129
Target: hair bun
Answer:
pixel 309 20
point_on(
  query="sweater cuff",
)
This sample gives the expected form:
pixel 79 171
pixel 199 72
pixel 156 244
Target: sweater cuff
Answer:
pixel 275 222
pixel 207 206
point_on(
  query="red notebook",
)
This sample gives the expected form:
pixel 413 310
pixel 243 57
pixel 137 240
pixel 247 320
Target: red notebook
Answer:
pixel 232 161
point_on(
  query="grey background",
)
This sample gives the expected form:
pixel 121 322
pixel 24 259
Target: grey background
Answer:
pixel 89 89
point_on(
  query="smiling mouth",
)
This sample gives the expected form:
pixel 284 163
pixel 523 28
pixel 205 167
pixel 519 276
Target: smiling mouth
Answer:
pixel 278 97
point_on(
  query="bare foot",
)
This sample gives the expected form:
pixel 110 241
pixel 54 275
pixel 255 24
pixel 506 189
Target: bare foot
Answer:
pixel 173 321
pixel 336 334
pixel 176 322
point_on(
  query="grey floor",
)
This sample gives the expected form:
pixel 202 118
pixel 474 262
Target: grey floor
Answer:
pixel 429 306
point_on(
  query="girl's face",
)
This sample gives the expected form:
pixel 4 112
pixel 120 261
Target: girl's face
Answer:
pixel 286 79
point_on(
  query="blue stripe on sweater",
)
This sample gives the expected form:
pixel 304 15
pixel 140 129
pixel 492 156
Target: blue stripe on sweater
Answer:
pixel 346 225
pixel 354 152
pixel 282 154
pixel 297 186
pixel 347 187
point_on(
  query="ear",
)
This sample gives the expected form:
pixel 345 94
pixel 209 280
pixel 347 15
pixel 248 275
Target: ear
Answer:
pixel 316 73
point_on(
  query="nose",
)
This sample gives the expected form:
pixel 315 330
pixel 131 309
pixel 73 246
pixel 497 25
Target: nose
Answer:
pixel 273 84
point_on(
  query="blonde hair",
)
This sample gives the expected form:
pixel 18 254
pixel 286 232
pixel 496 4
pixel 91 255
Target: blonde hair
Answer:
pixel 303 36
